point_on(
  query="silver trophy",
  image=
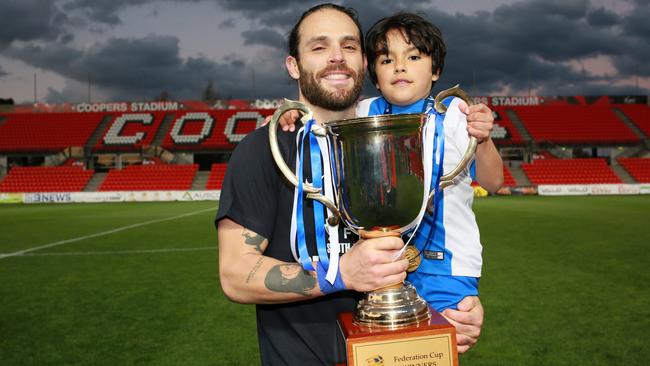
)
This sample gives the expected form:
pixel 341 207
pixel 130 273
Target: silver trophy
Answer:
pixel 379 179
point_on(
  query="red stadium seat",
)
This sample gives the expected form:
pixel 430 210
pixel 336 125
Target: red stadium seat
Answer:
pixel 150 177
pixel 46 179
pixel 504 132
pixel 217 173
pixel 508 179
pixel 639 114
pixel 46 132
pixel 570 171
pixel 639 168
pixel 567 124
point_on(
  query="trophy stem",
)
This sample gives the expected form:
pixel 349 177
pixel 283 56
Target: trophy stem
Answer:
pixel 395 286
pixel 393 306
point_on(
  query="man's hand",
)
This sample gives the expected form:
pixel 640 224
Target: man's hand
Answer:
pixel 468 320
pixel 287 121
pixel 369 264
pixel 480 120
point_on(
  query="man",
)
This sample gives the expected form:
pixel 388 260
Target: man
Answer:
pixel 296 311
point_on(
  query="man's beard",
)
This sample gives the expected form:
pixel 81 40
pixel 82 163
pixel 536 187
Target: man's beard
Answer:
pixel 334 101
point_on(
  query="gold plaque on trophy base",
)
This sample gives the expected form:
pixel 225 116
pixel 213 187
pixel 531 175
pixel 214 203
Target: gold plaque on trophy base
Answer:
pixel 431 342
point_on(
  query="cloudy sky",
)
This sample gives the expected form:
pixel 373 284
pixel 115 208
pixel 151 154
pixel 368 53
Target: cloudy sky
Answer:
pixel 123 50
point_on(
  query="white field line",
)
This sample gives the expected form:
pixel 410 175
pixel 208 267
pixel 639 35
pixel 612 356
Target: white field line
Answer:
pixel 103 233
pixel 117 252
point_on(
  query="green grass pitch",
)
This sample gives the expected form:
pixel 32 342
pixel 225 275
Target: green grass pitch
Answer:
pixel 565 282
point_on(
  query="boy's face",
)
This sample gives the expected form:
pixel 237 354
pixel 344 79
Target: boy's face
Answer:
pixel 403 74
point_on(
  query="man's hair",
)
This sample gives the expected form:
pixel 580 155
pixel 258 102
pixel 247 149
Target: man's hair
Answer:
pixel 417 31
pixel 294 34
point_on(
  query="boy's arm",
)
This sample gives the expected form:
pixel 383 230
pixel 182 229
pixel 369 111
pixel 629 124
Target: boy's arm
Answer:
pixel 489 167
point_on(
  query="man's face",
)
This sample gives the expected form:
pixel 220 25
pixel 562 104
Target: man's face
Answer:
pixel 331 66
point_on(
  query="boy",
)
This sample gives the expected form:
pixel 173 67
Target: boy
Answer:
pixel 406 56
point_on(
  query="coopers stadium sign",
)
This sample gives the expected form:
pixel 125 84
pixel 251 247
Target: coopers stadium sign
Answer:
pixel 214 128
pixel 127 107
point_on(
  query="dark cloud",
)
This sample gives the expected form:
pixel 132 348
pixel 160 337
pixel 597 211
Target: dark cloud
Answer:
pixel 520 46
pixel 602 17
pixel 2 73
pixel 637 24
pixel 103 11
pixel 137 69
pixel 264 37
pixel 229 23
pixel 20 21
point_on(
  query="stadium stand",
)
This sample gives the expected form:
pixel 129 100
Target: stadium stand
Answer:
pixel 639 168
pixel 46 179
pixel 504 131
pixel 508 179
pixel 46 132
pixel 570 171
pixel 152 139
pixel 217 174
pixel 639 114
pixel 577 124
pixel 150 177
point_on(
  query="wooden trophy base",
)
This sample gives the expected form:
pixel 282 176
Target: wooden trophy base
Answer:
pixel 431 342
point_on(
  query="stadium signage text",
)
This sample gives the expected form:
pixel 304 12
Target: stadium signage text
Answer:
pixel 127 107
pixel 590 189
pixel 48 197
pixel 514 101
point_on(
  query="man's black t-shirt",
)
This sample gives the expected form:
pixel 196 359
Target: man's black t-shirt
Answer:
pixel 256 196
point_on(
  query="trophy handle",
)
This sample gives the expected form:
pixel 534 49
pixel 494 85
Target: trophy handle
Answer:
pixel 448 179
pixel 312 192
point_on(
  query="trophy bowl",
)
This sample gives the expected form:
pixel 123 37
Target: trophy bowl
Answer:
pixel 379 171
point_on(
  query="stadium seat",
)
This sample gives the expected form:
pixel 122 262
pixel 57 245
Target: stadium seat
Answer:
pixel 508 179
pixel 577 124
pixel 570 171
pixel 505 132
pixel 639 168
pixel 46 179
pixel 217 173
pixel 46 132
pixel 639 114
pixel 150 177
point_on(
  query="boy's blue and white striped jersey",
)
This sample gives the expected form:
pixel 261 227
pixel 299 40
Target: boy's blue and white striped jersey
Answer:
pixel 454 246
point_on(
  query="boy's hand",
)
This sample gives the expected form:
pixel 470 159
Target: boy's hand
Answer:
pixel 287 121
pixel 480 120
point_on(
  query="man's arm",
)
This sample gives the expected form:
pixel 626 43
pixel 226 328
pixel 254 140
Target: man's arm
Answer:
pixel 248 276
pixel 489 167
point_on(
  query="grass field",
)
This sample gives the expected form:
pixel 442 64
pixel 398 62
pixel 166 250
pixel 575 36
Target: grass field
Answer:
pixel 566 282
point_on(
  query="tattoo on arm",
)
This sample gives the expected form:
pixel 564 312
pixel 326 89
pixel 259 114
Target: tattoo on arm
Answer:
pixel 253 239
pixel 290 278
pixel 251 274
